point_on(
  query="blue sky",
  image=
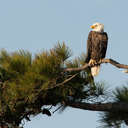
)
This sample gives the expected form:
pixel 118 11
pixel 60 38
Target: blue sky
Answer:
pixel 39 24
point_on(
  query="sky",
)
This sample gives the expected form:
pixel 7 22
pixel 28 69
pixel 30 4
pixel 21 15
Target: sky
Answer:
pixel 35 25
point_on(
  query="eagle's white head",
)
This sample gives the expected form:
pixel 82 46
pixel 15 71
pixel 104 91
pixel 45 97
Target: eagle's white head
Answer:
pixel 97 27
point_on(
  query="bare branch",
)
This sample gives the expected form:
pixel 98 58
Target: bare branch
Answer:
pixel 64 82
pixel 115 63
pixel 111 61
pixel 100 107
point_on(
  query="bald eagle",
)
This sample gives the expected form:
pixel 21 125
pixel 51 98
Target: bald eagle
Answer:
pixel 96 47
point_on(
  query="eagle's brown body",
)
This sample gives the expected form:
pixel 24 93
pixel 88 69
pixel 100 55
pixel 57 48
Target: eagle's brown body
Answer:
pixel 96 46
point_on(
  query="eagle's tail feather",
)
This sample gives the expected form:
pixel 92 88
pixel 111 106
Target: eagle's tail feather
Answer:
pixel 95 70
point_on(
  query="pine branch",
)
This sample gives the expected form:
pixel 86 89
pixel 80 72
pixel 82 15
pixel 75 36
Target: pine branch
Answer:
pixel 64 82
pixel 109 107
pixel 111 61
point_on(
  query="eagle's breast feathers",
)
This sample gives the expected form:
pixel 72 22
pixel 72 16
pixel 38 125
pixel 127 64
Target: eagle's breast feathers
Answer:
pixel 96 45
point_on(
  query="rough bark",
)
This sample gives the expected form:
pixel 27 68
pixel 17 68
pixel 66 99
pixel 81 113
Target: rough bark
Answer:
pixel 4 126
pixel 100 107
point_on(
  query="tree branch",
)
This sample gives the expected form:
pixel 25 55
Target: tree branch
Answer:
pixel 64 82
pixel 110 107
pixel 111 61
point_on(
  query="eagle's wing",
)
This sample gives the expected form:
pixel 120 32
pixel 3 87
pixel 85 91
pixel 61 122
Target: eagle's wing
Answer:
pixel 89 47
pixel 104 45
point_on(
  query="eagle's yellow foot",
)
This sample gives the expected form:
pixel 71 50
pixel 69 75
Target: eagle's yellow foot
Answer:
pixel 100 61
pixel 92 62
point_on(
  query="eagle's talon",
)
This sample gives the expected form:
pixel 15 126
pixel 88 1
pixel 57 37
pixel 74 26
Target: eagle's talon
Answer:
pixel 92 62
pixel 100 61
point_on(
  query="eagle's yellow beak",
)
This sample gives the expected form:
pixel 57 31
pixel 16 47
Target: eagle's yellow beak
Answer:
pixel 93 26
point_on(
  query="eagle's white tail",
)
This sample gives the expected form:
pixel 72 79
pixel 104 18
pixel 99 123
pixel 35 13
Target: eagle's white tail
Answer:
pixel 95 70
